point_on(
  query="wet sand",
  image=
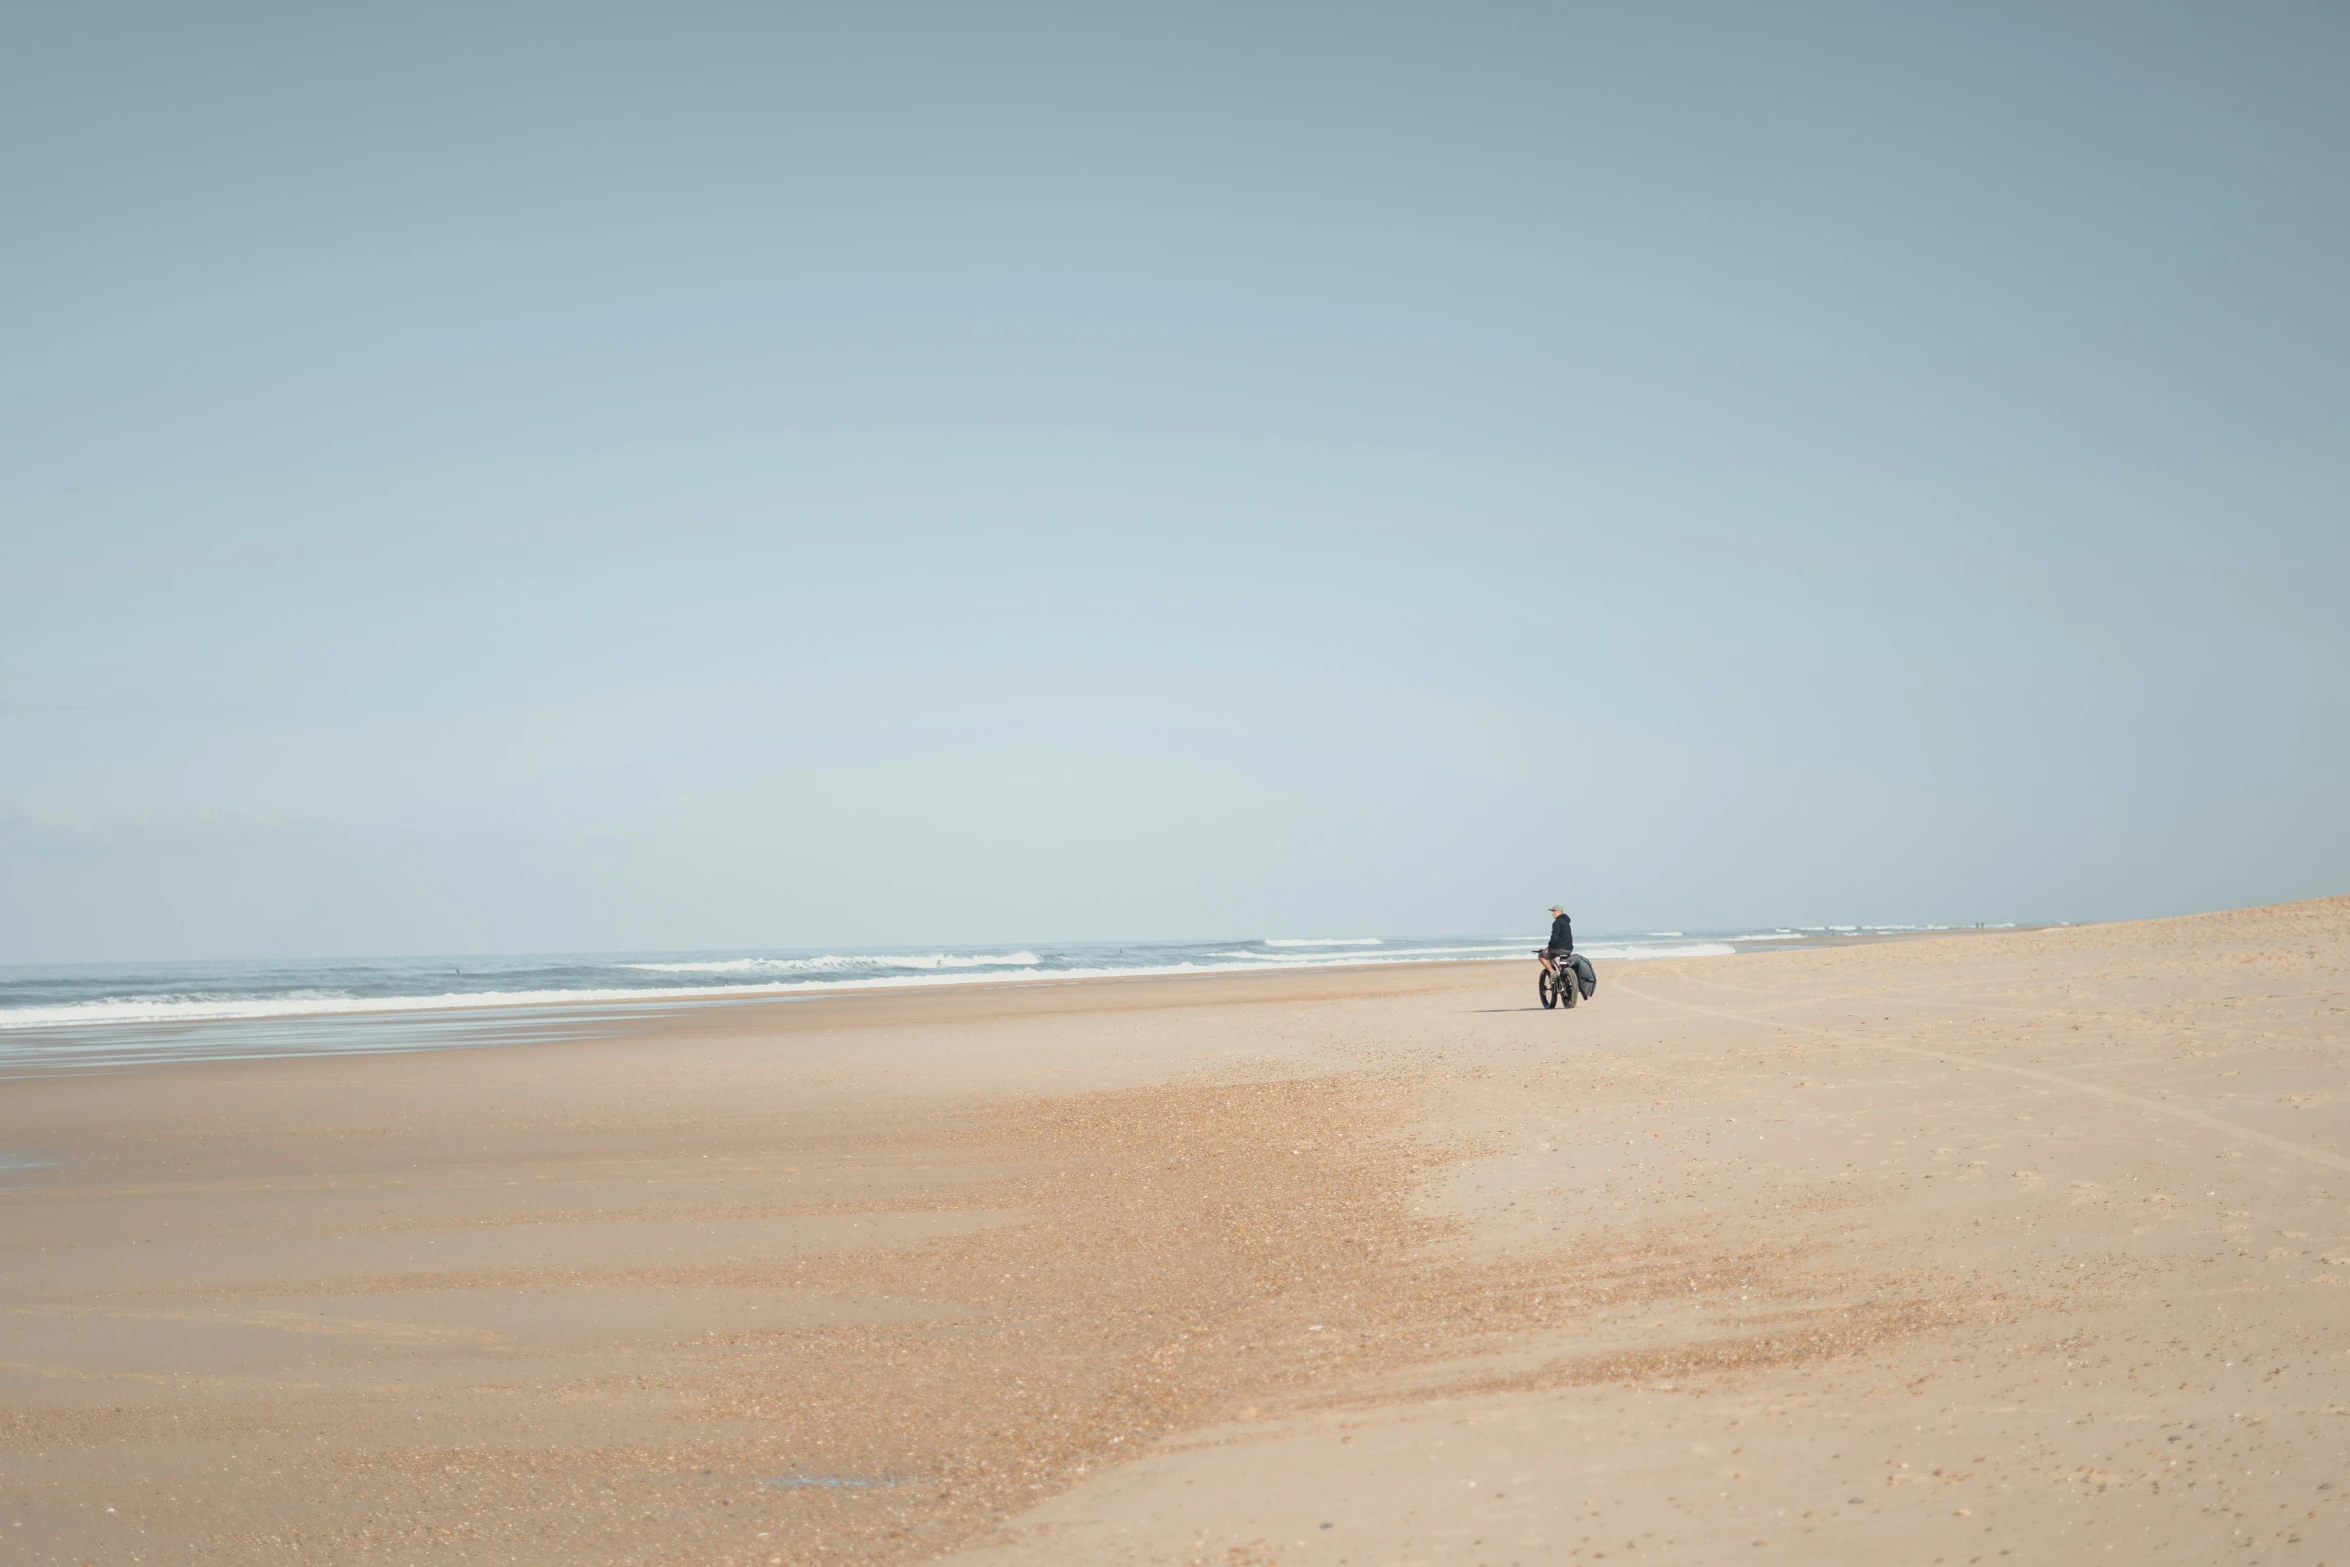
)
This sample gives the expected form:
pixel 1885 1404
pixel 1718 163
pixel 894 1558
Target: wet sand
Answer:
pixel 1999 1247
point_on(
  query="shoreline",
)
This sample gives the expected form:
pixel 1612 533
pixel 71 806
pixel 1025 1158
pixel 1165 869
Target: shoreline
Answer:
pixel 449 1014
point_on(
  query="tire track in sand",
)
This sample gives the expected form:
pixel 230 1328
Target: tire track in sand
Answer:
pixel 2331 1161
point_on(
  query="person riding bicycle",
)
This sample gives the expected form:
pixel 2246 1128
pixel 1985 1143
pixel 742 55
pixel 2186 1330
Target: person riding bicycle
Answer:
pixel 1562 941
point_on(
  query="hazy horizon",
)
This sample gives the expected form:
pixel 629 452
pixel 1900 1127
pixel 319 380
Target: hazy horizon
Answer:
pixel 531 481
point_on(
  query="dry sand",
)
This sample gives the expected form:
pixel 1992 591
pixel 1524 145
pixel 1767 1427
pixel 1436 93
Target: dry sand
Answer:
pixel 1998 1248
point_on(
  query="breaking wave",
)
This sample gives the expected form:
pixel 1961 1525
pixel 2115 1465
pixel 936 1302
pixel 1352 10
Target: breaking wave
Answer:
pixel 152 999
pixel 835 965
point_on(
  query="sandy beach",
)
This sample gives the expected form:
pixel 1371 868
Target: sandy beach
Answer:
pixel 2028 1247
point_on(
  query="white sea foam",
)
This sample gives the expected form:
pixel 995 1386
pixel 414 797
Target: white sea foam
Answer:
pixel 1610 950
pixel 804 978
pixel 1690 949
pixel 1322 941
pixel 1384 955
pixel 197 1008
pixel 835 965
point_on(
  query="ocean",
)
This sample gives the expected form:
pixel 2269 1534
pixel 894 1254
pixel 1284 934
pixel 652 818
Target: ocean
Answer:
pixel 102 1016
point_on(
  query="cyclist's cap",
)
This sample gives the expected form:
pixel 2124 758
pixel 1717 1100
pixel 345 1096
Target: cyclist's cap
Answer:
pixel 1555 909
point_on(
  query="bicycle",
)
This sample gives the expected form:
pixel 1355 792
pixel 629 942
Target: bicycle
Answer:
pixel 1557 986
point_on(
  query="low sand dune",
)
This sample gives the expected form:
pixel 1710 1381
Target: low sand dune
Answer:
pixel 2016 1247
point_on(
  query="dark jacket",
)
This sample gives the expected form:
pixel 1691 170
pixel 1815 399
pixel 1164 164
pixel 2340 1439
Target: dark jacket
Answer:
pixel 1562 934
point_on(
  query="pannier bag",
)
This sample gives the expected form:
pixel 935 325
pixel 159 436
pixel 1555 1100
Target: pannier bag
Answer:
pixel 1586 979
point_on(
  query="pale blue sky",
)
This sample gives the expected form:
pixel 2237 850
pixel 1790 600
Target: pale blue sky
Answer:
pixel 553 477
